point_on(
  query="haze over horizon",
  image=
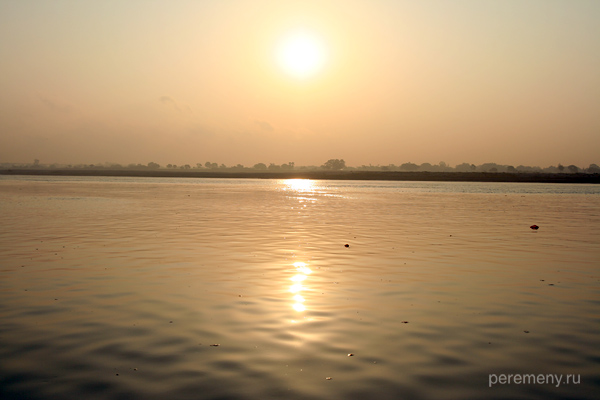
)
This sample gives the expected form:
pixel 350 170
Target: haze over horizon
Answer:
pixel 381 82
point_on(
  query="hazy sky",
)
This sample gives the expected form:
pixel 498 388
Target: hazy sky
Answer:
pixel 511 82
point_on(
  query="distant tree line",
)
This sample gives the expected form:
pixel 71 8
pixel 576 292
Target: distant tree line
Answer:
pixel 331 165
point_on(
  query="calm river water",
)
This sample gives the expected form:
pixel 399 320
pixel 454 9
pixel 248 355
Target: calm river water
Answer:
pixel 144 288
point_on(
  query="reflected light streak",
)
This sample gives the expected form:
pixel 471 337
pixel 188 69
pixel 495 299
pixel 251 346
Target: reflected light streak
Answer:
pixel 303 272
pixel 299 299
pixel 302 268
pixel 300 185
pixel 295 288
pixel 298 278
pixel 299 307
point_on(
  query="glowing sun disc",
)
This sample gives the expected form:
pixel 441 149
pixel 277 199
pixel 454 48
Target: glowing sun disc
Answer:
pixel 301 54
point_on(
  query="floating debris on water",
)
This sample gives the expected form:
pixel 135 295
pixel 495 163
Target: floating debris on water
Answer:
pixel 328 378
pixel 350 354
pixel 346 245
pixel 215 345
pixel 534 227
pixel 405 322
pixel 526 331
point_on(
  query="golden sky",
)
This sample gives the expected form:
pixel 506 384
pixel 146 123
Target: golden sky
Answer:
pixel 372 82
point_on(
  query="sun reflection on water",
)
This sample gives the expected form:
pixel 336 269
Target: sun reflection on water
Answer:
pixel 300 185
pixel 302 273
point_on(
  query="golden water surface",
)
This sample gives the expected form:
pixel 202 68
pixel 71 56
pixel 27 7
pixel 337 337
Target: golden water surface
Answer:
pixel 133 288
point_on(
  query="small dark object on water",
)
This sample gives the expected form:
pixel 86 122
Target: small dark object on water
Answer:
pixel 215 345
pixel 526 331
pixel 534 227
pixel 551 284
pixel 328 378
pixel 346 245
pixel 350 354
pixel 405 322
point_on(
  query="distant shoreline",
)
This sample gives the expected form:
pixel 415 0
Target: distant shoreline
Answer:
pixel 529 177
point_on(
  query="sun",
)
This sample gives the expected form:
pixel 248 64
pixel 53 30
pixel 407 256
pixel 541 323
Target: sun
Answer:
pixel 301 54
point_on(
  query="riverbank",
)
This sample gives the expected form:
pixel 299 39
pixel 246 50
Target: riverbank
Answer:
pixel 335 175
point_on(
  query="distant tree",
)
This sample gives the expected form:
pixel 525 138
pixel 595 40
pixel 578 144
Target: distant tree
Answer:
pixel 426 167
pixel 511 169
pixel 552 169
pixel 260 166
pixel 573 169
pixel 36 163
pixel 561 167
pixel 288 167
pixel 524 168
pixel 334 164
pixel 464 167
pixel 593 169
pixel 210 165
pixel 198 165
pixel 409 167
pixel 153 165
pixel 187 166
pixel 488 167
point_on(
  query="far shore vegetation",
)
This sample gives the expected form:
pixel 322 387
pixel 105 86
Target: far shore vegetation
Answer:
pixel 329 165
pixel 331 169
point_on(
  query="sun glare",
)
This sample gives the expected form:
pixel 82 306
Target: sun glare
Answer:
pixel 303 271
pixel 300 185
pixel 301 54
